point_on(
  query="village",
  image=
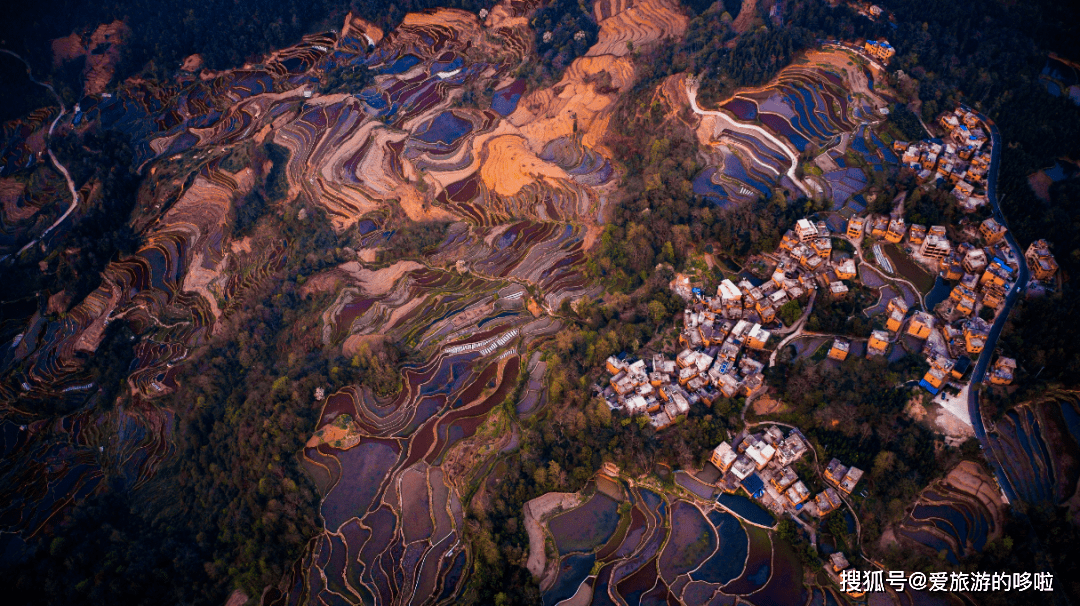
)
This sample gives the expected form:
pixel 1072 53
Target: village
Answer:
pixel 728 338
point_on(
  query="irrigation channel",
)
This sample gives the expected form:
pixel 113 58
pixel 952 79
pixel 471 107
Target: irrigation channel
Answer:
pixel 60 167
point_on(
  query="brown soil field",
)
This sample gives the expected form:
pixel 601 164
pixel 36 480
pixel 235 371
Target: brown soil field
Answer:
pixel 100 66
pixel 639 22
pixel 765 405
pixel 551 113
pixel 192 63
pixel 853 74
pixel 510 165
pixel 1040 184
pixel 746 16
pixel 536 510
pixel 10 190
pixel 356 26
pixel 379 281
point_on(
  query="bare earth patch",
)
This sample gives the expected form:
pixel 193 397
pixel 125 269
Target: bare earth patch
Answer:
pixel 379 281
pixel 746 16
pixel 536 510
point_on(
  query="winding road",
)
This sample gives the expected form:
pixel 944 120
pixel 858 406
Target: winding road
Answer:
pixel 691 95
pixel 60 167
pixel 995 331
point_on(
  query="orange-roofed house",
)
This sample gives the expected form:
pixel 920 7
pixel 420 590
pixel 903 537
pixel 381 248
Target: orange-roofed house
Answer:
pixel 896 231
pixel 992 231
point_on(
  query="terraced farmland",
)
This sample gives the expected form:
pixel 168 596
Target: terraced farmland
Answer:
pixel 755 138
pixel 957 515
pixel 662 549
pixel 521 184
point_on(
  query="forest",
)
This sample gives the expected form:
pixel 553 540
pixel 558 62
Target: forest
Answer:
pixel 233 508
pixel 225 33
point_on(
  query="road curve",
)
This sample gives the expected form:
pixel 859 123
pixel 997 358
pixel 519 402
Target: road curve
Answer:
pixel 60 167
pixel 691 95
pixel 995 331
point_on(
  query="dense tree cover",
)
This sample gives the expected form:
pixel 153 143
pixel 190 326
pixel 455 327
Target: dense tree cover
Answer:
pixel 412 239
pixel 843 315
pixel 564 30
pixel 932 207
pixel 232 507
pixel 19 95
pixel 754 60
pixel 907 123
pixel 225 33
pixel 93 236
pixel 856 414
pixel 565 444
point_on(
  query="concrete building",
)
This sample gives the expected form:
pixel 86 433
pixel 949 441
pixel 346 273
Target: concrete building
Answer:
pixel 879 225
pixel 805 230
pixel 878 343
pixel 917 234
pixel 894 314
pixel 855 227
pixel 835 471
pixel 976 331
pixel 846 270
pixel 791 449
pixel 723 456
pixel 839 349
pixel 798 493
pixel 743 467
pixel 783 479
pixel 896 231
pixel 758 337
pixel 992 231
pixel 730 299
pixel 761 453
pixel 880 50
pixel 827 501
pixel 974 261
pixel 1040 261
pixel 920 325
pixel 936 245
pixel 851 478
pixel 1003 370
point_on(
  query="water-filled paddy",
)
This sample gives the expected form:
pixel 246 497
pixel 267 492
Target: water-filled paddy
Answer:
pixel 572 571
pixel 747 509
pixel 446 128
pixel 363 469
pixel 692 540
pixel 586 527
pixel 727 563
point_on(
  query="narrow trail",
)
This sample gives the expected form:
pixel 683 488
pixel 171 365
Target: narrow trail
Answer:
pixel 796 330
pixel 60 167
pixel 691 94
pixel 858 251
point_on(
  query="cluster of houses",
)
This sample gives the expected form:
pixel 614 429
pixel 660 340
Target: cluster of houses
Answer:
pixel 960 161
pixel 761 465
pixel 711 367
pixel 953 333
pixel 805 259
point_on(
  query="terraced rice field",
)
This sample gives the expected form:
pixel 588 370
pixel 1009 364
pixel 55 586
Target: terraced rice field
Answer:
pixel 809 105
pixel 521 183
pixel 957 515
pixel 666 550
